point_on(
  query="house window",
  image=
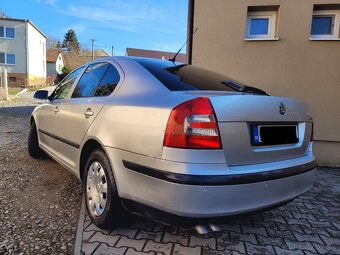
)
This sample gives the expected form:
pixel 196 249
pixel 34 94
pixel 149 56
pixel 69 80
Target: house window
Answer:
pixel 10 32
pixel 8 59
pixel 7 32
pixel 12 79
pixel 325 24
pixel 2 58
pixel 261 25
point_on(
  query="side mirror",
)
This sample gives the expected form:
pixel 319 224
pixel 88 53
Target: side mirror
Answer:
pixel 41 94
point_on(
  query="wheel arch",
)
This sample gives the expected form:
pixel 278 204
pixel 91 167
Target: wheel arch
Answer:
pixel 89 146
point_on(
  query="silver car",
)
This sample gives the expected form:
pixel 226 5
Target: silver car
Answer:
pixel 169 140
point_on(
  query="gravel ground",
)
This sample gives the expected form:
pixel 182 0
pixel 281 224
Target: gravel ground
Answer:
pixel 40 200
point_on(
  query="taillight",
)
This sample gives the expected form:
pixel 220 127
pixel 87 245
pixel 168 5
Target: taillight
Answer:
pixel 193 125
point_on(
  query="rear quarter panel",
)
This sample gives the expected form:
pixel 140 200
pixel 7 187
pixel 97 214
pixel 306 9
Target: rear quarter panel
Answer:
pixel 135 118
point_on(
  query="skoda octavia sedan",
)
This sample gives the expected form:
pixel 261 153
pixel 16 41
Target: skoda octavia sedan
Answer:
pixel 160 138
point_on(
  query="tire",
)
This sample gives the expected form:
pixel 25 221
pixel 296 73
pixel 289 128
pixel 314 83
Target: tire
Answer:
pixel 33 144
pixel 103 204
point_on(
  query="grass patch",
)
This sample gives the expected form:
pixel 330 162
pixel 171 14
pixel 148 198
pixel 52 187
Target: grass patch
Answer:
pixel 13 91
pixel 37 88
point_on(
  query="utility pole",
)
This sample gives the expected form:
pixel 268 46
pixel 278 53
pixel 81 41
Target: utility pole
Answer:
pixel 112 49
pixel 93 48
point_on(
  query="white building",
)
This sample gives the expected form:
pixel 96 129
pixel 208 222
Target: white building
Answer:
pixel 55 63
pixel 22 52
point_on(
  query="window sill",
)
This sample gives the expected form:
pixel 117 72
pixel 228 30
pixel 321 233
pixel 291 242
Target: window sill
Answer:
pixel 3 64
pixel 323 39
pixel 261 39
pixel 7 38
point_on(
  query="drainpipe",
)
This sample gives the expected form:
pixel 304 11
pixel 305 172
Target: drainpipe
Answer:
pixel 191 6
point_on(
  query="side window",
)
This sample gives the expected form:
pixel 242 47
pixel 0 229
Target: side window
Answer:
pixel 90 80
pixel 64 87
pixel 109 82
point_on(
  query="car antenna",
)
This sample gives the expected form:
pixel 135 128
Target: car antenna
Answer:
pixel 174 58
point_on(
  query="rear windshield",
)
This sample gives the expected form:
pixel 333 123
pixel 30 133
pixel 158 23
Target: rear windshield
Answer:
pixel 178 77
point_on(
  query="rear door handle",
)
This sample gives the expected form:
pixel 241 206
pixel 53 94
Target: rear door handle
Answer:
pixel 88 113
pixel 56 109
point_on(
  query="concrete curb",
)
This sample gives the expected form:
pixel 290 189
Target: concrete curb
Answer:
pixel 80 229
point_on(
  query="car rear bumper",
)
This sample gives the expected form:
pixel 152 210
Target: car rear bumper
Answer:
pixel 202 196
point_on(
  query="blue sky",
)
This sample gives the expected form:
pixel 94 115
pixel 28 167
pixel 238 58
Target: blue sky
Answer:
pixel 146 24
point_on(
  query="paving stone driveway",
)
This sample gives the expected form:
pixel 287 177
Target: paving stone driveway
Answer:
pixel 308 225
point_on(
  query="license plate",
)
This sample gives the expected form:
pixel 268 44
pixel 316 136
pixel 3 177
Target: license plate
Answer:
pixel 274 134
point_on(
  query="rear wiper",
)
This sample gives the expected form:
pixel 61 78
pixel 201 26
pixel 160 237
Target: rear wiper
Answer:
pixel 244 88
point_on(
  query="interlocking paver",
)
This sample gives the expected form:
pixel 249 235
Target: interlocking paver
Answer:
pixel 300 246
pixel 229 246
pixel 307 225
pixel 133 243
pixel 100 237
pixel 259 249
pixel 327 249
pixel 130 233
pixel 164 248
pixel 155 236
pixel 330 240
pixel 310 238
pixel 280 251
pixel 257 231
pixel 182 250
pixel 103 249
pixel 199 241
pixel 131 251
pixel 235 237
pixel 270 241
pixel 171 238
pixel 88 248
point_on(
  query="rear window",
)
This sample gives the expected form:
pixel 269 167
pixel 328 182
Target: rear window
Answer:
pixel 178 77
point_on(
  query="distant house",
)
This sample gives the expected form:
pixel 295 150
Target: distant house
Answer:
pixel 22 52
pixel 155 54
pixel 99 53
pixel 55 63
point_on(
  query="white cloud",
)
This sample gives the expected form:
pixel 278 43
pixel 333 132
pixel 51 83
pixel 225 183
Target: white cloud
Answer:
pixel 118 14
pixel 47 2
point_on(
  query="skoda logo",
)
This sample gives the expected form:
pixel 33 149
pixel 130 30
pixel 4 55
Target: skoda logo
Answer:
pixel 282 108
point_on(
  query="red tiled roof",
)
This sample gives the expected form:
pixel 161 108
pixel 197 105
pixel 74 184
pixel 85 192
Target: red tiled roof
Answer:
pixel 156 54
pixel 52 55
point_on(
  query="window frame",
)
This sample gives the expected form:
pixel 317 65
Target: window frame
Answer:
pixel 116 66
pixel 5 33
pixel 15 61
pixel 51 97
pixel 5 59
pixel 336 24
pixel 272 18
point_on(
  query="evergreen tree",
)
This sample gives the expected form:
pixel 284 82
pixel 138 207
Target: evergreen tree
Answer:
pixel 58 45
pixel 70 42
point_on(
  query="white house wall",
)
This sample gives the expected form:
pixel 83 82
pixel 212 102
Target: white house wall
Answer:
pixel 36 53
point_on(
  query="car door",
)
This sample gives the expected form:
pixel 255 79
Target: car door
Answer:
pixel 48 114
pixel 78 112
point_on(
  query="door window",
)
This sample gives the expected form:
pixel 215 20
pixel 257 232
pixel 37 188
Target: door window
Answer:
pixel 90 80
pixel 99 79
pixel 108 83
pixel 64 87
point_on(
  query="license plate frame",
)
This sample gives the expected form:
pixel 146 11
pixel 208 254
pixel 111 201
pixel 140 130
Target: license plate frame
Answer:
pixel 269 134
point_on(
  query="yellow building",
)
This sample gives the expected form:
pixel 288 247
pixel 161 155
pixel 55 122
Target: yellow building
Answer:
pixel 285 47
